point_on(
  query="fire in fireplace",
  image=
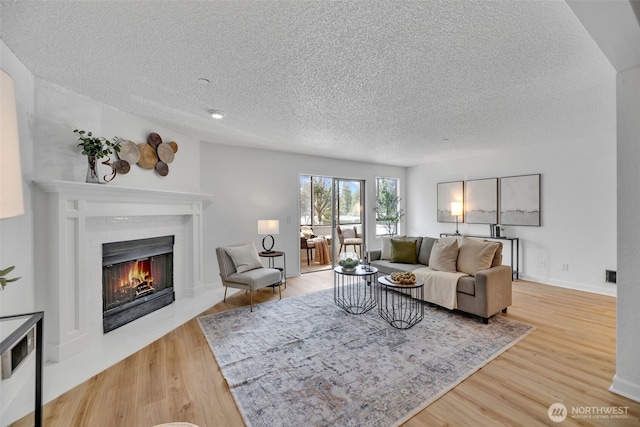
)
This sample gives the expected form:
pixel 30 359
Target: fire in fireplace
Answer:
pixel 137 278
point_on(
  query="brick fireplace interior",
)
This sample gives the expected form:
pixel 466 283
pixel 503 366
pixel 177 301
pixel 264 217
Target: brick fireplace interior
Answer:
pixel 137 279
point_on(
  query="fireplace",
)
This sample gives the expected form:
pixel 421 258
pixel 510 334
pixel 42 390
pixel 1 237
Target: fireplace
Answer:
pixel 137 279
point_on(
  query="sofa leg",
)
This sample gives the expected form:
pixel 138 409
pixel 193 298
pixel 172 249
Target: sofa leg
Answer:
pixel 251 300
pixel 485 320
pixel 504 310
pixel 225 294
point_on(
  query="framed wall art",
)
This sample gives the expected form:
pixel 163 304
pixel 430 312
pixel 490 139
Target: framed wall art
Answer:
pixel 481 201
pixel 449 192
pixel 520 200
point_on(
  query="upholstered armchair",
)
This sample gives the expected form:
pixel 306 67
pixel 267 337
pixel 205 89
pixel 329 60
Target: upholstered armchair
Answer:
pixel 350 235
pixel 241 268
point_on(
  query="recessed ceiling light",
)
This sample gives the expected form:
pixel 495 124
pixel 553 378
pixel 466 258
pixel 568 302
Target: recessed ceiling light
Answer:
pixel 216 114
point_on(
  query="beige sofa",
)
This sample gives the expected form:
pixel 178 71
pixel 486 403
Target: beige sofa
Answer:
pixel 485 286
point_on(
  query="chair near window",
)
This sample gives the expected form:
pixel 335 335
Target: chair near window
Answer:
pixel 350 235
pixel 306 241
pixel 309 246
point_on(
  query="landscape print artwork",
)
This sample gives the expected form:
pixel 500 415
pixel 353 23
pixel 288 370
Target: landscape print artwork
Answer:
pixel 520 200
pixel 481 201
pixel 449 192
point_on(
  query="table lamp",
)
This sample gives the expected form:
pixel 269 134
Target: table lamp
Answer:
pixel 268 227
pixel 456 210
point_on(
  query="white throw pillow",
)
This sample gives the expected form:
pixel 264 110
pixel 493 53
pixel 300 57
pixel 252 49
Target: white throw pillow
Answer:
pixel 444 255
pixel 386 245
pixel 475 255
pixel 245 257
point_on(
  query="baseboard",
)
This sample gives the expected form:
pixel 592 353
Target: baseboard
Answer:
pixel 625 388
pixel 605 289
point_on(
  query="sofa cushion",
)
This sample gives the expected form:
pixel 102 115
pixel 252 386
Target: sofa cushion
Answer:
pixel 444 255
pixel 467 285
pixel 403 251
pixel 245 257
pixel 387 267
pixel 424 251
pixel 497 257
pixel 418 241
pixel 475 255
pixel 386 245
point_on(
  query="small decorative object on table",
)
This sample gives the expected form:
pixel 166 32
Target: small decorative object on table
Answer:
pixel 348 261
pixel 402 278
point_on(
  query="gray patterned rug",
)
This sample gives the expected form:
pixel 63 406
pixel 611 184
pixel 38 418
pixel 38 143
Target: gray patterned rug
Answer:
pixel 303 361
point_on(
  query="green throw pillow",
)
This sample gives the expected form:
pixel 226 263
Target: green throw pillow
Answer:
pixel 403 251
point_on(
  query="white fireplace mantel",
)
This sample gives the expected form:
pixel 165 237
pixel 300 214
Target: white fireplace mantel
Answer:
pixel 63 210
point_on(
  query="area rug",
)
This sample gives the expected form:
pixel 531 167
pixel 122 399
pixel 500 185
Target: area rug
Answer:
pixel 304 361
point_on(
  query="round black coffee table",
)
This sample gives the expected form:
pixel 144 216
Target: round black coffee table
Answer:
pixel 400 305
pixel 353 289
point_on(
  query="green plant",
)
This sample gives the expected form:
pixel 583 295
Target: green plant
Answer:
pixel 4 280
pixel 97 147
pixel 388 212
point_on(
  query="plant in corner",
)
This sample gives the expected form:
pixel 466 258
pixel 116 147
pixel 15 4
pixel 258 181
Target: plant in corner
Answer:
pixel 388 212
pixel 96 148
pixel 4 280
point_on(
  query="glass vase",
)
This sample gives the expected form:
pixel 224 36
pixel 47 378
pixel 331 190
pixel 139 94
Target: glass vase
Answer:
pixel 92 170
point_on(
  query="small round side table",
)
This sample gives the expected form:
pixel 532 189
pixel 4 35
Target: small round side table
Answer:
pixel 400 305
pixel 353 289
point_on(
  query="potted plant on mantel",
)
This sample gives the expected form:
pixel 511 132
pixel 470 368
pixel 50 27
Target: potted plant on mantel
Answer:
pixel 96 148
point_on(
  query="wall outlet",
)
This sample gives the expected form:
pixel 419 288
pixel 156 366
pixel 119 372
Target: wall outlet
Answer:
pixel 565 267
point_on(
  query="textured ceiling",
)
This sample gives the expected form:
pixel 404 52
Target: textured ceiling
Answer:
pixel 393 82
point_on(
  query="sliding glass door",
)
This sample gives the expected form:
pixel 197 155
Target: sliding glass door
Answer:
pixel 329 205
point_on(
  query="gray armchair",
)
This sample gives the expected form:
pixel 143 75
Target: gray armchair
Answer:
pixel 250 280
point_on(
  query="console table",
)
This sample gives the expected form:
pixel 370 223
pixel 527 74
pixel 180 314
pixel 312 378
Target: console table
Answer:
pixel 515 247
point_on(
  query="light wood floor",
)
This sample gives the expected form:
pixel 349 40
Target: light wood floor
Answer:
pixel 570 359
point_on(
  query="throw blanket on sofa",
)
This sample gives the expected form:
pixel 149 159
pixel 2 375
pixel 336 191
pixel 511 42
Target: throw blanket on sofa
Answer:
pixel 439 286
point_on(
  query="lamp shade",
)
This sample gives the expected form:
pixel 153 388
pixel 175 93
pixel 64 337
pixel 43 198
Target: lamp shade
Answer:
pixel 456 208
pixel 268 226
pixel 11 200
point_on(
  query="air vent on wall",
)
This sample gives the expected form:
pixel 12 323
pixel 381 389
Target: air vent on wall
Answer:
pixel 610 276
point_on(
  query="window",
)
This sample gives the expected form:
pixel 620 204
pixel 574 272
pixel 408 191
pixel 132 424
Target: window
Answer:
pixel 349 202
pixel 388 211
pixel 315 200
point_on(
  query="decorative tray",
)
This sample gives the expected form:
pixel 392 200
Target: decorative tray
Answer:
pixel 399 283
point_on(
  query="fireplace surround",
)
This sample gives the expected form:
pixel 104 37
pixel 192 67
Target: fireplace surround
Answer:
pixel 73 221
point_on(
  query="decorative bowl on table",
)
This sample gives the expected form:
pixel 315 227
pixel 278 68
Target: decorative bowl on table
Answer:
pixel 348 261
pixel 407 279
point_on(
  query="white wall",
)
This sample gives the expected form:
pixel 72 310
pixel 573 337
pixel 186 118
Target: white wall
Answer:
pixel 578 198
pixel 627 379
pixel 60 111
pixel 250 184
pixel 47 116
